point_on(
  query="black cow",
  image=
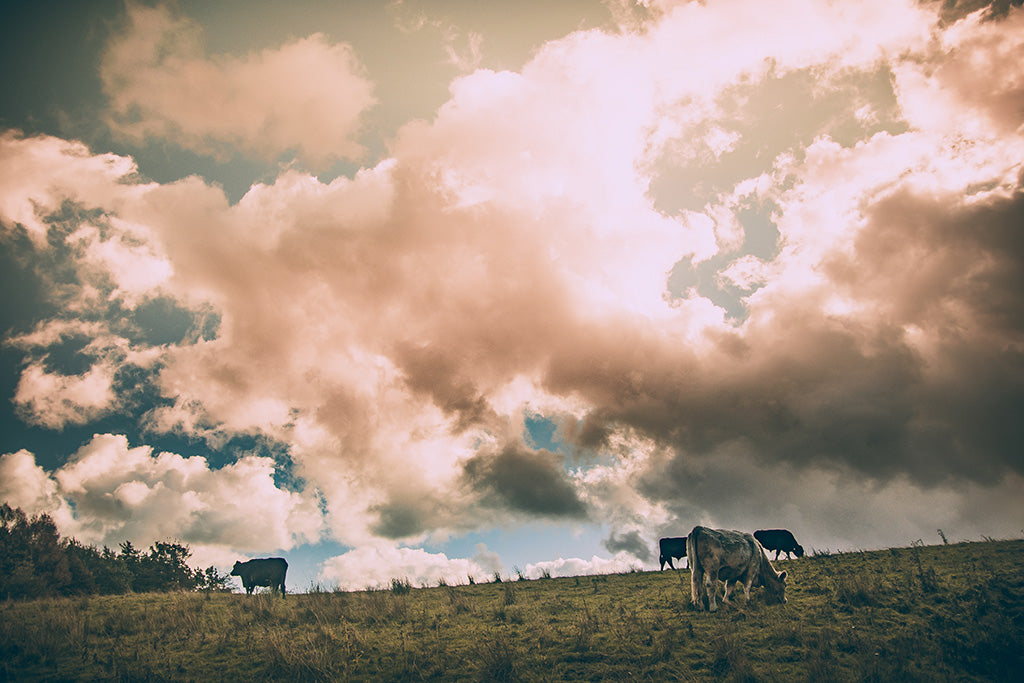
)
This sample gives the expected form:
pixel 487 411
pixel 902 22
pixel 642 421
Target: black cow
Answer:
pixel 268 571
pixel 669 548
pixel 779 540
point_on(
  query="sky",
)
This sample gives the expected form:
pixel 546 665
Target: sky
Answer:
pixel 434 289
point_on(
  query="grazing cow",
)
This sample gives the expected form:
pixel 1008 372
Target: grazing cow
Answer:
pixel 669 548
pixel 729 556
pixel 779 540
pixel 268 571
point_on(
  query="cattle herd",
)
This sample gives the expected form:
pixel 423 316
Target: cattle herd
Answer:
pixel 715 555
pixel 730 557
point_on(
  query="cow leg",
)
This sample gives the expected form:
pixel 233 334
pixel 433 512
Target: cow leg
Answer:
pixel 712 605
pixel 696 586
pixel 725 594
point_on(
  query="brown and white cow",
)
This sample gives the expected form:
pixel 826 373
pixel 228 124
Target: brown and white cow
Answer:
pixel 732 557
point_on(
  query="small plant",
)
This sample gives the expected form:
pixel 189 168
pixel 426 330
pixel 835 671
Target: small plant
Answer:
pixel 945 541
pixel 472 581
pixel 929 580
pixel 400 586
pixel 545 573
pixel 498 657
pixel 497 577
pixel 519 573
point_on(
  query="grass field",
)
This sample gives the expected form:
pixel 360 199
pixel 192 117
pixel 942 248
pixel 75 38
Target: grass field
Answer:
pixel 951 612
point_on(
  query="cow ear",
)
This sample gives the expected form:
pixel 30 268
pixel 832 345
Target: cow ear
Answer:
pixel 783 575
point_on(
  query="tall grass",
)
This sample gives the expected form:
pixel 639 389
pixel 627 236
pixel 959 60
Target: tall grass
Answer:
pixel 947 612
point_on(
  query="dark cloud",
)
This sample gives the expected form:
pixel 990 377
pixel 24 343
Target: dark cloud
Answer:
pixel 631 542
pixel 399 520
pixel 523 480
pixel 862 391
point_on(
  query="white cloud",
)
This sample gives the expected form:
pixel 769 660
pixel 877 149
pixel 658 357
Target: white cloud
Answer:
pixel 305 97
pixel 25 485
pixel 575 566
pixel 375 566
pixel 54 400
pixel 121 493
pixel 38 174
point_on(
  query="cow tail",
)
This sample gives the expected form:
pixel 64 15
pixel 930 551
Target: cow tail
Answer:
pixel 696 572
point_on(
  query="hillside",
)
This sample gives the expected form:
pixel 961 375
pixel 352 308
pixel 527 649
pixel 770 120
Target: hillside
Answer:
pixel 953 612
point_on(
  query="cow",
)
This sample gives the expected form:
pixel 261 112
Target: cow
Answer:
pixel 779 540
pixel 267 571
pixel 669 548
pixel 729 556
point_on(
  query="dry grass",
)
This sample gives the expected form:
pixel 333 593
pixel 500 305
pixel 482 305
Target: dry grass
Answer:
pixel 950 612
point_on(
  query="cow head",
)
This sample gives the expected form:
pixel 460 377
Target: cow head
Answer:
pixel 234 570
pixel 799 550
pixel 775 585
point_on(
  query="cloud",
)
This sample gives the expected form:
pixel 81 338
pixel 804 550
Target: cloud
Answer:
pixel 394 329
pixel 629 542
pixel 305 97
pixel 118 492
pixel 375 566
pixel 54 400
pixel 974 84
pixel 575 566
pixel 39 174
pixel 525 481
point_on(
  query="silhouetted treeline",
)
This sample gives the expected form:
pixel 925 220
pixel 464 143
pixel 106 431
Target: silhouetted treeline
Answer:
pixel 36 562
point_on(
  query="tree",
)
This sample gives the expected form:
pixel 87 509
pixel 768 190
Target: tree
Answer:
pixel 211 580
pixel 163 568
pixel 33 558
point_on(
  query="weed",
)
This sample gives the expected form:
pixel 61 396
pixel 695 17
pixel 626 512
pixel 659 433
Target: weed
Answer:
pixel 855 589
pixel 929 580
pixel 510 594
pixel 586 625
pixel 400 586
pixel 498 657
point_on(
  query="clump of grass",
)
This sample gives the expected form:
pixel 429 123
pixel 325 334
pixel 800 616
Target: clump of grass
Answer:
pixel 400 586
pixel 926 575
pixel 458 602
pixel 498 657
pixel 855 589
pixel 586 625
pixel 731 662
pixel 510 594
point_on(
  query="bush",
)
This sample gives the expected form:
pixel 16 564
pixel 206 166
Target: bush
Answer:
pixel 36 562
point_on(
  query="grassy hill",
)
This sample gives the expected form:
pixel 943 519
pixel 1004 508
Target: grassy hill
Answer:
pixel 952 612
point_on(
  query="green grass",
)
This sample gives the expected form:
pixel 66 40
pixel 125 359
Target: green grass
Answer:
pixel 952 612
